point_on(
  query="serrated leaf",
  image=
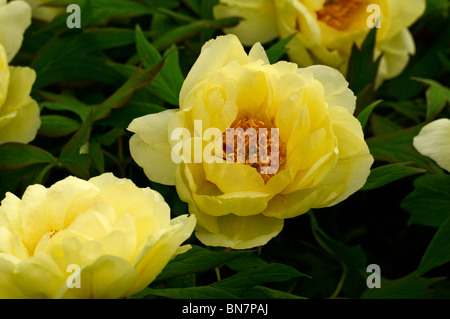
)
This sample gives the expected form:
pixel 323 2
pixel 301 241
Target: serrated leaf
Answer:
pixel 386 174
pixel 16 155
pixel 198 259
pixel 185 293
pixel 438 252
pixel 243 280
pixel 429 203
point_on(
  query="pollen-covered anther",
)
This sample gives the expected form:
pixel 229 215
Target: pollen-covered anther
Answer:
pixel 339 14
pixel 251 141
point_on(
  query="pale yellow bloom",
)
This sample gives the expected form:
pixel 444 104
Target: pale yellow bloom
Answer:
pixel 322 160
pixel 327 29
pixel 42 11
pixel 120 236
pixel 434 141
pixel 15 18
pixel 19 113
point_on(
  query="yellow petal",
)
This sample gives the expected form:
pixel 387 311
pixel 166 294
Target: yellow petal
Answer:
pixel 43 12
pixel 337 92
pixel 434 141
pixel 240 232
pixel 215 54
pixel 396 52
pixel 259 19
pixel 19 115
pixel 38 277
pixel 153 257
pixel 150 146
pixel 109 277
pixel 15 18
pixel 402 14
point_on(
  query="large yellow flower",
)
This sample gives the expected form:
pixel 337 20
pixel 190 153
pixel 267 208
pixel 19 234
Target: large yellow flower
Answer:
pixel 15 18
pixel 19 113
pixel 322 157
pixel 327 29
pixel 102 238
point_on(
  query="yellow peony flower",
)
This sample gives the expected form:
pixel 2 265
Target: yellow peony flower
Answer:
pixel 15 18
pixel 19 113
pixel 42 11
pixel 102 238
pixel 434 141
pixel 327 29
pixel 322 157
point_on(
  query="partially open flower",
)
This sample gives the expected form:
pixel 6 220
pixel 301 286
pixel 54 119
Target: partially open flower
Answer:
pixel 326 29
pixel 261 143
pixel 102 238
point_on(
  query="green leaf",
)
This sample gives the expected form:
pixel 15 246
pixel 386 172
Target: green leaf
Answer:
pixel 60 102
pixel 364 115
pixel 397 147
pixel 198 259
pixel 429 203
pixel 240 282
pixel 276 51
pixel 96 155
pixel 362 69
pixel 124 94
pixel 382 125
pixel 259 292
pixel 168 82
pixel 190 30
pixel 438 96
pixel 122 117
pixel 386 174
pixel 438 252
pixel 409 109
pixel 74 155
pixel 80 69
pixel 246 262
pixel 110 137
pixel 57 125
pixel 409 287
pixel 353 257
pixel 16 155
pixel 185 293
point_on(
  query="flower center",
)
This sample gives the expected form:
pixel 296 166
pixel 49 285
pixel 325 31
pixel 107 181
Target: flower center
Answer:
pixel 339 14
pixel 255 142
pixel 53 232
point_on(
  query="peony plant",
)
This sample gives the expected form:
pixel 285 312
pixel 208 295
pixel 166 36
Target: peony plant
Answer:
pixel 322 156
